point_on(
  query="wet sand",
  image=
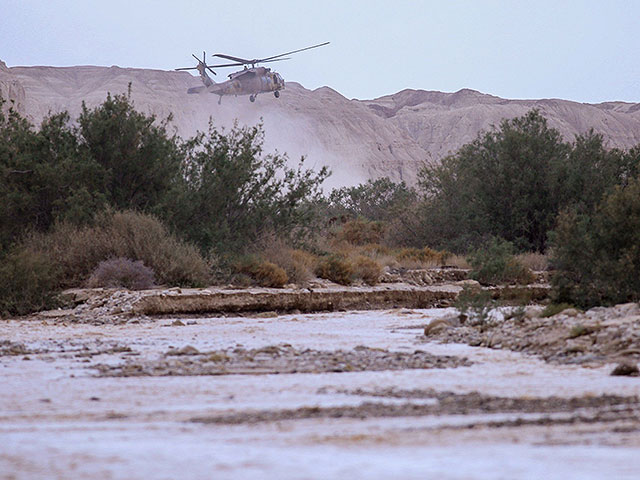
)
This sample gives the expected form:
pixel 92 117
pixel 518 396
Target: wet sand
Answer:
pixel 334 395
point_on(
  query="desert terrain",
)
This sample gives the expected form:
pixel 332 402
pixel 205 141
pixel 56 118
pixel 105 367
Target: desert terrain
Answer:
pixel 391 136
pixel 319 380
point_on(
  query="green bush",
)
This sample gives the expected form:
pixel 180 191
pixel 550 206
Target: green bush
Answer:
pixel 596 257
pixel 231 195
pixel 512 181
pixel 28 282
pixel 474 302
pixel 496 264
pixel 337 269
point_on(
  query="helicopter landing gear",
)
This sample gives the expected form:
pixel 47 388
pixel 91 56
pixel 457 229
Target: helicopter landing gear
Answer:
pixel 252 98
pixel 276 94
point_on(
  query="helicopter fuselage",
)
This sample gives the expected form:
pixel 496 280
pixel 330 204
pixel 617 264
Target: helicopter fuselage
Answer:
pixel 250 81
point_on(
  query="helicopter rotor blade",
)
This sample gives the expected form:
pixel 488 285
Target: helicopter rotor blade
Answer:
pixel 227 65
pixel 241 61
pixel 262 60
pixel 186 68
pixel 274 60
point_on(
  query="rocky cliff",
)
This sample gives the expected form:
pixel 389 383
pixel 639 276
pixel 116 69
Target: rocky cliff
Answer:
pixel 389 136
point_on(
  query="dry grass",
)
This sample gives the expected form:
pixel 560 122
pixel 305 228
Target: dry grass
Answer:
pixel 412 258
pixel 367 269
pixel 361 232
pixel 337 269
pixel 263 272
pixel 459 261
pixel 536 262
pixel 299 265
pixel 79 250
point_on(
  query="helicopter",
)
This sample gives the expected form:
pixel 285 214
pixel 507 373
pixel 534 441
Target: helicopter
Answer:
pixel 248 81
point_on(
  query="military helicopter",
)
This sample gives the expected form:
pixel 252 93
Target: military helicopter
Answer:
pixel 248 81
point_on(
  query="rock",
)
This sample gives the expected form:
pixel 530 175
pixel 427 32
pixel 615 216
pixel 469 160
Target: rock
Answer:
pixel 533 311
pixel 177 323
pixel 627 369
pixel 440 324
pixel 187 350
pixel 570 312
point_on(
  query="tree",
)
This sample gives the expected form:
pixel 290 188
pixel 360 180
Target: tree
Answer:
pixel 141 161
pixel 231 193
pixel 44 176
pixel 376 200
pixel 500 183
pixel 596 256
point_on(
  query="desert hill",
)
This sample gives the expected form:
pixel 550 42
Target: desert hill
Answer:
pixel 359 139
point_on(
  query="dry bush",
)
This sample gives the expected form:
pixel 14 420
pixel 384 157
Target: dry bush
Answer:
pixel 459 261
pixel 265 273
pixel 337 269
pixel 536 262
pixel 299 265
pixel 269 274
pixel 78 250
pixel 367 269
pixel 122 272
pixel 421 257
pixel 361 232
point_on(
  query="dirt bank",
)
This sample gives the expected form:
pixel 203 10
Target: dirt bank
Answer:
pixel 600 335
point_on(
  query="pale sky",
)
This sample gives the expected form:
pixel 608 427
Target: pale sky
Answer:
pixel 583 50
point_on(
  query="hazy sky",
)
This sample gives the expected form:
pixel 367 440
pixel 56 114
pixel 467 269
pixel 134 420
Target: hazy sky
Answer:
pixel 580 50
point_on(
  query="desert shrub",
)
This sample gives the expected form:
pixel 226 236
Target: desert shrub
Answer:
pixel 420 257
pixel 459 261
pixel 79 250
pixel 361 232
pixel 367 269
pixel 264 273
pixel 596 257
pixel 269 274
pixel 336 268
pixel 474 302
pixel 554 308
pixel 298 264
pixel 28 282
pixel 122 272
pixel 536 262
pixel 495 263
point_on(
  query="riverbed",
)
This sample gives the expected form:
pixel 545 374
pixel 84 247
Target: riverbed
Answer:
pixel 357 394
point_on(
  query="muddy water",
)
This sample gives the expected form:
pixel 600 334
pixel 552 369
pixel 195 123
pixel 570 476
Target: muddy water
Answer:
pixel 341 395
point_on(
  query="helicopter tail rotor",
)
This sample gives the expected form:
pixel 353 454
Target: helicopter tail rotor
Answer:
pixel 201 66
